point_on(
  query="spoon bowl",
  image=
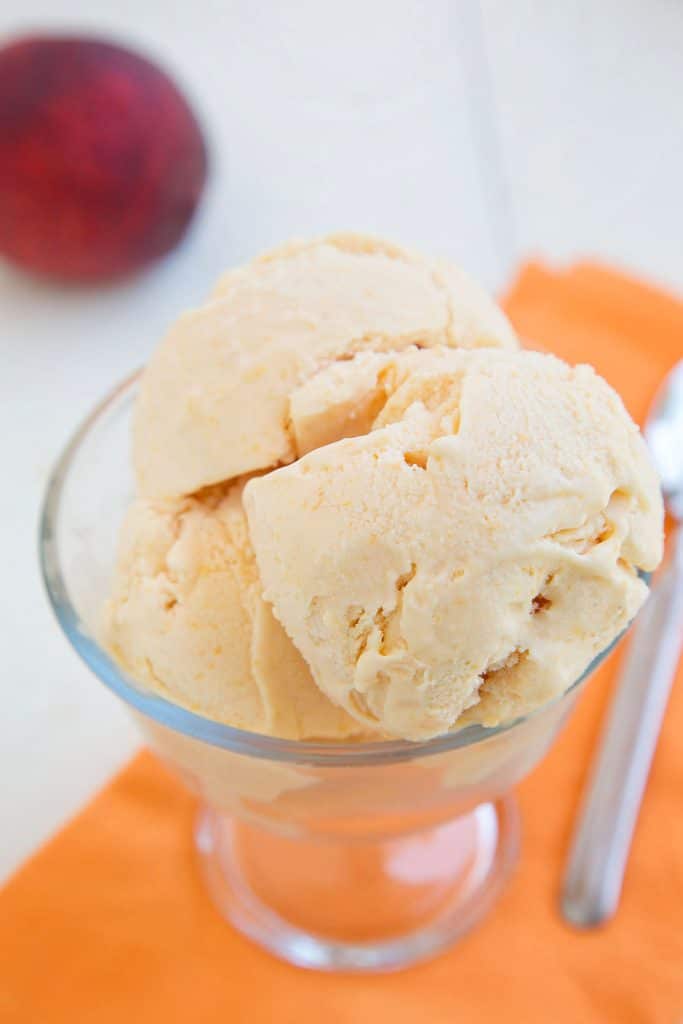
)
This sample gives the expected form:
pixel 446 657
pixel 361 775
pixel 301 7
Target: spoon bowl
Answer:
pixel 664 436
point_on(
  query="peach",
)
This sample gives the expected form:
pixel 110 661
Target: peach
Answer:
pixel 102 161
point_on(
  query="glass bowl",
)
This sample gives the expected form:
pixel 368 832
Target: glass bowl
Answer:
pixel 357 856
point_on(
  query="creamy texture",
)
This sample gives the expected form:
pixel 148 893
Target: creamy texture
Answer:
pixel 363 512
pixel 187 617
pixel 214 399
pixel 467 558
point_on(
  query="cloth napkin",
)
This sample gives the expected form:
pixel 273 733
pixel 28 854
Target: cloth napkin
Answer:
pixel 109 922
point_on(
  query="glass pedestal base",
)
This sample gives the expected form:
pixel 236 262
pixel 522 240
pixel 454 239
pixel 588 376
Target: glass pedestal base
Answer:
pixel 370 904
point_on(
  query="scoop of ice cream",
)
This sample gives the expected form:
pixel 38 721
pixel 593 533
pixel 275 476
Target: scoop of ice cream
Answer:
pixel 467 558
pixel 187 617
pixel 214 401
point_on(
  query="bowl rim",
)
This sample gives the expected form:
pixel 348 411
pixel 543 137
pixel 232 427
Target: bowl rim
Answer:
pixel 191 723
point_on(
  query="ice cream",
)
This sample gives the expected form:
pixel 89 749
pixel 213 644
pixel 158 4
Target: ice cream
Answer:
pixel 467 558
pixel 363 512
pixel 214 400
pixel 188 619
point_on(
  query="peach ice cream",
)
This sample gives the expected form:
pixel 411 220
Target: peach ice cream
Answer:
pixel 363 512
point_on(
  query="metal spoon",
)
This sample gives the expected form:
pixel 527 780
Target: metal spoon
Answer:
pixel 607 818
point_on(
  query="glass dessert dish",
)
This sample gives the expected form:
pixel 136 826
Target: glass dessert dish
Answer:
pixel 355 856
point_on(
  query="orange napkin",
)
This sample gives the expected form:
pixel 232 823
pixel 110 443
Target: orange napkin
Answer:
pixel 110 923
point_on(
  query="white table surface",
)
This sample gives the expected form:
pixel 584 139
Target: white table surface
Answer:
pixel 484 131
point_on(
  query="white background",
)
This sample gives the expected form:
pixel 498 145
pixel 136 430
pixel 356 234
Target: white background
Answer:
pixel 485 131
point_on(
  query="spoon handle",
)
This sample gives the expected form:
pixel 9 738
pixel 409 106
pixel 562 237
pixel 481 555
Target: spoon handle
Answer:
pixel 602 839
